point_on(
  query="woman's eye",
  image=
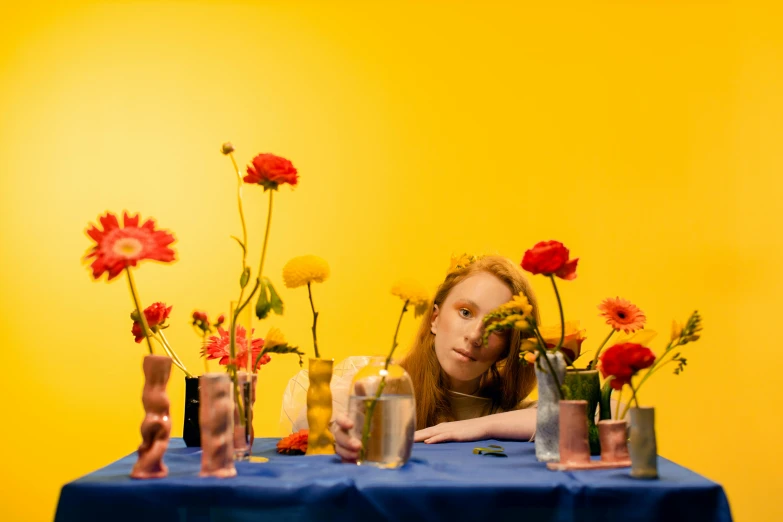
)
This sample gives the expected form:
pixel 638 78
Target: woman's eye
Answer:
pixel 464 312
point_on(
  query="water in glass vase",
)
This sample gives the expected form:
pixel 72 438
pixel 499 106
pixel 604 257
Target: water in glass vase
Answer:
pixel 390 435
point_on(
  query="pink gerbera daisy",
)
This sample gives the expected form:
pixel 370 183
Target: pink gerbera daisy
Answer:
pixel 119 247
pixel 621 314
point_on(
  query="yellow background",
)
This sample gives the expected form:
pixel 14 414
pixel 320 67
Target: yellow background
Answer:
pixel 644 135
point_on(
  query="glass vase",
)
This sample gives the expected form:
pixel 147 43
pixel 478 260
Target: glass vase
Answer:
pixel 383 409
pixel 548 414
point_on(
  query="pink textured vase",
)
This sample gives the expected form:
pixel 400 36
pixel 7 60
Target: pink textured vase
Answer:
pixel 614 441
pixel 156 427
pixel 216 422
pixel 574 445
pixel 243 432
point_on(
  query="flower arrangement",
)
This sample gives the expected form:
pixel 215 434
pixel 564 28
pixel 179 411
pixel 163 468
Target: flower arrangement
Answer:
pixel 269 171
pixel 118 248
pixel 621 362
pixel 411 293
pixel 305 270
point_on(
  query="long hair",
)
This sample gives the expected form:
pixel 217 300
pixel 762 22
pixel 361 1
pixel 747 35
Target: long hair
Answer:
pixel 506 383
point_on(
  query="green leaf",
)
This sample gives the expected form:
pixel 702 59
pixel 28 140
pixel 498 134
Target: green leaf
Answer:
pixel 493 450
pixel 245 277
pixel 241 244
pixel 263 306
pixel 274 298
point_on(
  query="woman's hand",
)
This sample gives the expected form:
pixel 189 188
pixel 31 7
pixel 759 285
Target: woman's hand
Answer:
pixel 344 444
pixel 457 431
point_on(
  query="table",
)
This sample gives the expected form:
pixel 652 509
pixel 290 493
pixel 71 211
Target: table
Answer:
pixel 440 482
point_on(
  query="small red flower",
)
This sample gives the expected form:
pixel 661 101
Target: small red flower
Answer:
pixel 156 314
pixel 294 444
pixel 218 348
pixel 270 171
pixel 548 258
pixel 119 247
pixel 623 361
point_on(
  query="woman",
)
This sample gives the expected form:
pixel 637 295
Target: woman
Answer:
pixel 466 390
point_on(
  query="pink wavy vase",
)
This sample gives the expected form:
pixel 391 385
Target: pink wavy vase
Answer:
pixel 156 426
pixel 216 421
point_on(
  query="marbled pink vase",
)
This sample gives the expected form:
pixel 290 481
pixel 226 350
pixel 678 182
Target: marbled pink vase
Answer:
pixel 216 423
pixel 574 445
pixel 614 441
pixel 244 434
pixel 156 427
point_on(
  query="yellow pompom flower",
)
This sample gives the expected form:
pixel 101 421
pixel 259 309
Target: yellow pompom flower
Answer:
pixel 458 262
pixel 274 338
pixel 413 292
pixel 515 314
pixel 302 270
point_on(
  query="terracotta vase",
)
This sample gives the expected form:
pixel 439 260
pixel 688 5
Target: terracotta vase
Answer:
pixel 243 431
pixel 585 385
pixel 156 426
pixel 644 451
pixel 614 441
pixel 320 440
pixel 216 421
pixel 547 418
pixel 574 445
pixel 190 428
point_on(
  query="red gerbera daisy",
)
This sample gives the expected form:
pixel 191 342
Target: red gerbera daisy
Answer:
pixel 218 348
pixel 294 444
pixel 119 247
pixel 621 314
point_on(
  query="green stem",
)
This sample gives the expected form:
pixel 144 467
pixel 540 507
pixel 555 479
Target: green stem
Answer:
pixel 241 212
pixel 315 320
pixel 373 402
pixel 168 352
pixel 173 354
pixel 595 359
pixel 652 368
pixel 139 310
pixel 266 235
pixel 232 369
pixel 562 319
pixel 543 353
pixel 617 406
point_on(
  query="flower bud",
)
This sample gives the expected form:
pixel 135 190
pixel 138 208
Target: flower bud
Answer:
pixel 227 148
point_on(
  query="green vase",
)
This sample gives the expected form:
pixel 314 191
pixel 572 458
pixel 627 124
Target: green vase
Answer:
pixel 585 385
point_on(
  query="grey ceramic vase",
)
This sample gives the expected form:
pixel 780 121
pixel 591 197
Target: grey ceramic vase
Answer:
pixel 548 414
pixel 644 450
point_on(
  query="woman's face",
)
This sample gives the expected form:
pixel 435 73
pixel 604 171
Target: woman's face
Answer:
pixel 458 327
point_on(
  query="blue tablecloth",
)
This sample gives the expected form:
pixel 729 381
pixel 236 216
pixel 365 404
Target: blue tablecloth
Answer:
pixel 441 482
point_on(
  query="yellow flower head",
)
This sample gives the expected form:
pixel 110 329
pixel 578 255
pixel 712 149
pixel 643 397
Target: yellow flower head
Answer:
pixel 515 314
pixel 274 338
pixel 413 292
pixel 302 270
pixel 458 262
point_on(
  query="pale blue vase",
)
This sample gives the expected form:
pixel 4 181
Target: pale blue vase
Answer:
pixel 548 414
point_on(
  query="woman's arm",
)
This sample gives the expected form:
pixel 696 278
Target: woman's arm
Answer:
pixel 511 425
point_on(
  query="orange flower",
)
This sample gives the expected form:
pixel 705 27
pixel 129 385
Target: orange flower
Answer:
pixel 117 247
pixel 623 315
pixel 294 444
pixel 156 314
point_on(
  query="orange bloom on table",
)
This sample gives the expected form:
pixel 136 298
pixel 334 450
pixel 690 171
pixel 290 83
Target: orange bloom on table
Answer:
pixel 218 348
pixel 623 315
pixel 156 314
pixel 294 444
pixel 270 171
pixel 118 246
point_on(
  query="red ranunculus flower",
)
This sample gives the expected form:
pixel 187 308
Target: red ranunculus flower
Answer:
pixel 117 247
pixel 623 361
pixel 218 348
pixel 550 257
pixel 294 444
pixel 270 171
pixel 156 314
